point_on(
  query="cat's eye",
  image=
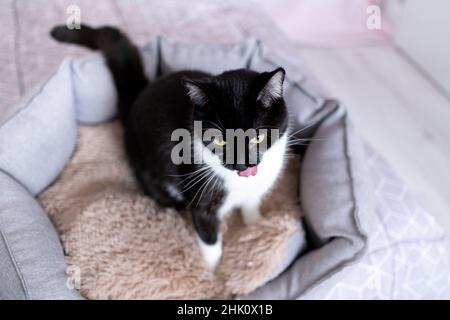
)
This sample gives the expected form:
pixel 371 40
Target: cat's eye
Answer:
pixel 219 141
pixel 258 139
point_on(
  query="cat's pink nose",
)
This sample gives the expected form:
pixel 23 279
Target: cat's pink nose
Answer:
pixel 250 171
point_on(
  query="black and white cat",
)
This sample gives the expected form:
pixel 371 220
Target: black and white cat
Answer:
pixel 152 111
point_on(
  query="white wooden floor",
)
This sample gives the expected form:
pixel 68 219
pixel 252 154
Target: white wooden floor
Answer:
pixel 398 111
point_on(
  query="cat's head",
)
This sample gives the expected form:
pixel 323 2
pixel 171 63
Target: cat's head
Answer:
pixel 246 103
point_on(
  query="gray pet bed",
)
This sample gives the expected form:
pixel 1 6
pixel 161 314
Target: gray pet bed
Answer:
pixel 367 236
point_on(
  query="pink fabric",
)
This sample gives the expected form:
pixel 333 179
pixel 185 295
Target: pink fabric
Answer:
pixel 28 55
pixel 326 22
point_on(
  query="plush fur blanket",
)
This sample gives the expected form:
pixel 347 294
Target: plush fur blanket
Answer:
pixel 122 245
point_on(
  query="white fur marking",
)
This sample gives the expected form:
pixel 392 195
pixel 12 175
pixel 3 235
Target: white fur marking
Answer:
pixel 174 192
pixel 243 192
pixel 247 192
pixel 211 252
pixel 251 214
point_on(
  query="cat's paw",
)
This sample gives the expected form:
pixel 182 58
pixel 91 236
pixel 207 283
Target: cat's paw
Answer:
pixel 211 252
pixel 251 215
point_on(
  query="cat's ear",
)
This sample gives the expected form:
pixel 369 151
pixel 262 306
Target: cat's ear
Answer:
pixel 195 92
pixel 273 87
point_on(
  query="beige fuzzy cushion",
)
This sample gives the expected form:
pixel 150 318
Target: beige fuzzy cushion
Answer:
pixel 122 245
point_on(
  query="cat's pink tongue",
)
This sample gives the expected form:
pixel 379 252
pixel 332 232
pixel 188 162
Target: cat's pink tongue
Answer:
pixel 250 171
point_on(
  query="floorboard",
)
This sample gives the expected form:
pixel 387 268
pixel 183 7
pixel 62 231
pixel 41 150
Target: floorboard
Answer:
pixel 398 111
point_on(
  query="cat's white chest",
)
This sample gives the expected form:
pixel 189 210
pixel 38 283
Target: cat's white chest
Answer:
pixel 250 191
pixel 241 191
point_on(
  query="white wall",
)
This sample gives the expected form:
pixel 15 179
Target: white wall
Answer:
pixel 422 30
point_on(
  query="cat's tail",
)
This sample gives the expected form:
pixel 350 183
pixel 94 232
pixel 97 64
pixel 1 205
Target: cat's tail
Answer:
pixel 121 55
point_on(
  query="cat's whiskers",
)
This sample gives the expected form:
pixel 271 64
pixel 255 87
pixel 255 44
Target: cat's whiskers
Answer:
pixel 196 180
pixel 266 126
pixel 302 129
pixel 220 128
pixel 204 186
pixel 187 174
pixel 220 122
pixel 298 143
pixel 193 178
pixel 304 139
pixel 191 175
pixel 199 176
pixel 213 189
pixel 293 141
pixel 209 176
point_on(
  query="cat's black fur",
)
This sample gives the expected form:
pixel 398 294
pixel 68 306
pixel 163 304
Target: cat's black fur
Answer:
pixel 150 112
